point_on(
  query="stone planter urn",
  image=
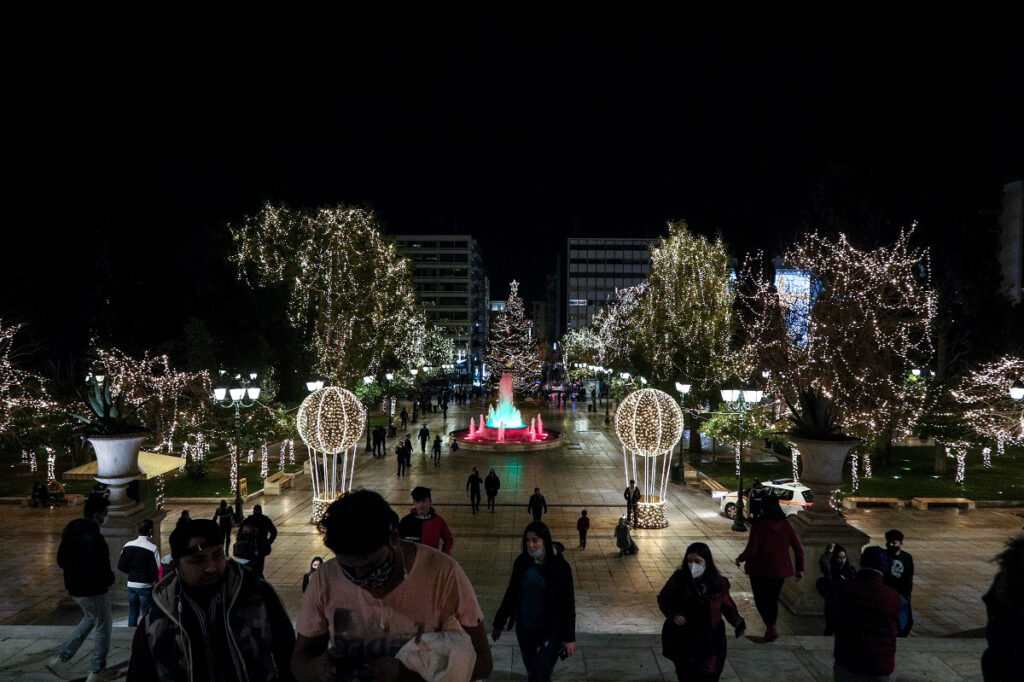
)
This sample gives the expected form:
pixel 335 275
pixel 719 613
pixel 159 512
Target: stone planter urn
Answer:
pixel 117 465
pixel 822 470
pixel 817 527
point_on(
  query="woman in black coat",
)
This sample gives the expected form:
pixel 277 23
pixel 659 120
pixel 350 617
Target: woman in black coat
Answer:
pixel 696 604
pixel 539 601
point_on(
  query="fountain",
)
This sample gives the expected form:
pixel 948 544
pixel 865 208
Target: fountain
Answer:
pixel 504 429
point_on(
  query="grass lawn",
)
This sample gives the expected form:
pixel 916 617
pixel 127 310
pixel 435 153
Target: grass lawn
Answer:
pixel 217 482
pixel 908 473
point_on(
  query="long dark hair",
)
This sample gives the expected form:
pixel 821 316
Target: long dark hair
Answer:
pixel 712 578
pixel 771 510
pixel 541 530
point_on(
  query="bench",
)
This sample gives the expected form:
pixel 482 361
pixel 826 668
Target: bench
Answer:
pixel 926 502
pixel 854 502
pixel 275 482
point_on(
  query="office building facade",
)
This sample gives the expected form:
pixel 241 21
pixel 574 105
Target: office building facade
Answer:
pixel 451 282
pixel 595 268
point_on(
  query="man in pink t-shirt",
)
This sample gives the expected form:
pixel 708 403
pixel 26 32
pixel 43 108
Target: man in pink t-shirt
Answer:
pixel 377 593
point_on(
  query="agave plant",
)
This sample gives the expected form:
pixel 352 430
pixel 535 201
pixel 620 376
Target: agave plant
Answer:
pixel 816 419
pixel 109 416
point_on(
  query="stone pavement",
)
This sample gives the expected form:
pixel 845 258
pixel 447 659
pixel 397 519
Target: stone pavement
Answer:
pixel 617 617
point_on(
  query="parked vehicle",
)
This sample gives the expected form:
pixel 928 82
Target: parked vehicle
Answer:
pixel 792 496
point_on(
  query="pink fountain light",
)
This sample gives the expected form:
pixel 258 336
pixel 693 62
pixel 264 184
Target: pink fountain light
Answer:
pixel 504 423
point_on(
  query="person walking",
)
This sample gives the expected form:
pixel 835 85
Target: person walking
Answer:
pixel 766 560
pixel 211 618
pixel 865 640
pixel 473 484
pixel 696 604
pixel 444 411
pixel 261 531
pixel 582 526
pixel 140 559
pixel 540 603
pixel 632 496
pixel 491 486
pixel 425 526
pixel 400 455
pixel 900 577
pixel 314 565
pixel 85 559
pixel 436 449
pixel 1004 605
pixel 537 505
pixel 183 519
pixel 424 436
pixel 404 414
pixel 835 570
pixel 224 515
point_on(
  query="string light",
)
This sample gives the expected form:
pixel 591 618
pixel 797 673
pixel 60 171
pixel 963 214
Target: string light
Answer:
pixel 512 350
pixel 160 491
pixel 986 457
pixel 51 464
pixel 24 401
pixel 349 289
pixel 795 457
pixel 869 322
pixel 854 480
pixel 264 464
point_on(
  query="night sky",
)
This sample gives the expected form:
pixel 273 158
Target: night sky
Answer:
pixel 129 148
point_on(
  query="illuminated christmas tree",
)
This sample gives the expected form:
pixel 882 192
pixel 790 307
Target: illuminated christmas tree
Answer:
pixel 512 349
pixel 350 293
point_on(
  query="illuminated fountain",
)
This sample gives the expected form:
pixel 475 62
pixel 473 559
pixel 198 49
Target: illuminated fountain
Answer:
pixel 504 428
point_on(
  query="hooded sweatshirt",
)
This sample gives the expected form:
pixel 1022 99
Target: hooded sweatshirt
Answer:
pixel 428 529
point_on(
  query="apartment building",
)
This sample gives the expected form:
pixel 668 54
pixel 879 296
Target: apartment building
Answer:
pixel 596 267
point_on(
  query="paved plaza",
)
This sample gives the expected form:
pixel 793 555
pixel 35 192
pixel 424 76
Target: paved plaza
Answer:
pixel 617 616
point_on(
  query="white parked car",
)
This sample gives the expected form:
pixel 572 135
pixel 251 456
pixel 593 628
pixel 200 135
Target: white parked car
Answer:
pixel 792 496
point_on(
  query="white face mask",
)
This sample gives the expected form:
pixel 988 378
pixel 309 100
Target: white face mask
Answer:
pixel 537 553
pixel 696 570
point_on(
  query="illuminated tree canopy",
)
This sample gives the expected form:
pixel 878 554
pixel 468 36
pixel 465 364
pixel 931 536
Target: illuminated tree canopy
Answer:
pixel 25 406
pixel 989 414
pixel 868 324
pixel 350 293
pixel 511 348
pixel 581 347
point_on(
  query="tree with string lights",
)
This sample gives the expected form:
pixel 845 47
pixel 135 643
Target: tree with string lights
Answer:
pixel 29 416
pixel 622 333
pixel 511 348
pixel 350 293
pixel 580 349
pixel 868 322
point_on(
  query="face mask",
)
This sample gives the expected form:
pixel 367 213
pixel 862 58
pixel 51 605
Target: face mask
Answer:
pixel 842 560
pixel 696 570
pixel 374 578
pixel 537 553
pixel 893 549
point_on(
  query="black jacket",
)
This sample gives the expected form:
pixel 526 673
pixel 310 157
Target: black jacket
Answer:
pixel 492 483
pixel 85 558
pixel 560 605
pixel 139 561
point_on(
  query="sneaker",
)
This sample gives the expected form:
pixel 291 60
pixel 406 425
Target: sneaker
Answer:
pixel 102 675
pixel 58 666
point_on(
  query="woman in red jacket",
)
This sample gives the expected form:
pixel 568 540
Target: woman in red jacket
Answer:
pixel 768 563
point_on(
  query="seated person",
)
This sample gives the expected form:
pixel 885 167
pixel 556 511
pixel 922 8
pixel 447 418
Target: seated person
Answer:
pixel 56 492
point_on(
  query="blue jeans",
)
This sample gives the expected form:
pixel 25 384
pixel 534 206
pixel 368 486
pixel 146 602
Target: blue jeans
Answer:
pixel 539 653
pixel 95 613
pixel 139 600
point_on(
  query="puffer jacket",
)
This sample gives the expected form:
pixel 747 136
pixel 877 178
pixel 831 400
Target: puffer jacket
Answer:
pixel 174 643
pixel 85 558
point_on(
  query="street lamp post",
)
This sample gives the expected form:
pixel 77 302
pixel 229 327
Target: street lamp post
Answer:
pixel 683 390
pixel 740 399
pixel 238 401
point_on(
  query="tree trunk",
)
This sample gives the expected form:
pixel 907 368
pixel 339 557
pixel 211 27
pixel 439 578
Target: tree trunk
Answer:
pixel 695 445
pixel 940 463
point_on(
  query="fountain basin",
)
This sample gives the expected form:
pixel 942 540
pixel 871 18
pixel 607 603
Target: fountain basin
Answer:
pixel 516 440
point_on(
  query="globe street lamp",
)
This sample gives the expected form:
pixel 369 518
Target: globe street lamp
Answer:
pixel 740 399
pixel 238 394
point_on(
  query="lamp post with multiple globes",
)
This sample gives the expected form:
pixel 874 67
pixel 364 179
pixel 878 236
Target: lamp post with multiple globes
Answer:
pixel 741 399
pixel 242 397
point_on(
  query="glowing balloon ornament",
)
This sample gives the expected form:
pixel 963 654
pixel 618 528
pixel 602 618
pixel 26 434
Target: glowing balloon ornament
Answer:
pixel 649 423
pixel 331 422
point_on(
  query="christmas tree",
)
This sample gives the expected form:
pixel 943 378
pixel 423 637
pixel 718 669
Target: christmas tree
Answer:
pixel 512 350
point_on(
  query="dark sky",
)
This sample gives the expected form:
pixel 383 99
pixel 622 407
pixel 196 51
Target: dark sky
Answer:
pixel 130 144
